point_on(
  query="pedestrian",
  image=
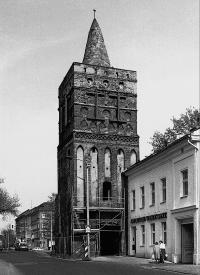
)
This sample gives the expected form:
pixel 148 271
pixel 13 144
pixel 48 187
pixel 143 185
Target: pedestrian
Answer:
pixel 162 252
pixel 156 252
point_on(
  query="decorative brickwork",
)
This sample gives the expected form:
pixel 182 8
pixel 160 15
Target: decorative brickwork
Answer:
pixel 97 113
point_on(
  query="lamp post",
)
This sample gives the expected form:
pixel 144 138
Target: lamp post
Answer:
pixel 51 232
pixel 88 207
pixel 87 230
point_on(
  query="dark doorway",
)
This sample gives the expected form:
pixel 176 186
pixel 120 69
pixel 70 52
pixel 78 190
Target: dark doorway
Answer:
pixel 134 241
pixel 187 243
pixel 110 240
pixel 106 190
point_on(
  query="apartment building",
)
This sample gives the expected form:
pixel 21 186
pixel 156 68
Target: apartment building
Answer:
pixel 35 226
pixel 163 194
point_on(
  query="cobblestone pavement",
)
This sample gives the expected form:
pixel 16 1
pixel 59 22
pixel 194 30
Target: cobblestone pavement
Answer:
pixel 149 264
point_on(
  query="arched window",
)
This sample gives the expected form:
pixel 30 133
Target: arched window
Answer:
pixel 120 169
pixel 107 163
pixel 133 158
pixel 94 175
pixel 80 180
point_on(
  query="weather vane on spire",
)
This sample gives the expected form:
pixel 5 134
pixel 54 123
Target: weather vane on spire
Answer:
pixel 94 12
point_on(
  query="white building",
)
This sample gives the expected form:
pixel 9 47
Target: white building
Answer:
pixel 163 193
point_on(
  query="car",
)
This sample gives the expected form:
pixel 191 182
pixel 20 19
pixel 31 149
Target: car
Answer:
pixel 37 249
pixel 21 247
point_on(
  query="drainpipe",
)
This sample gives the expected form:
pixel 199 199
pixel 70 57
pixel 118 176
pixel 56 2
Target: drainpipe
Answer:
pixel 197 197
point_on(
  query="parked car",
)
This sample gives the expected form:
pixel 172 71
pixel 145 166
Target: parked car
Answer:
pixel 37 249
pixel 21 247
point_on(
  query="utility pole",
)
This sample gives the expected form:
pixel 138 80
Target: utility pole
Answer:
pixel 51 232
pixel 88 164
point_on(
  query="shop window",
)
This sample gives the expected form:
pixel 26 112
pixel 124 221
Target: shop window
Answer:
pixel 184 175
pixel 163 190
pixel 106 190
pixel 142 235
pixel 164 232
pixel 153 234
pixel 152 188
pixel 142 197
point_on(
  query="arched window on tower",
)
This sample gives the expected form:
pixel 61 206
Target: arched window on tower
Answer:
pixel 94 175
pixel 133 158
pixel 80 180
pixel 120 169
pixel 107 163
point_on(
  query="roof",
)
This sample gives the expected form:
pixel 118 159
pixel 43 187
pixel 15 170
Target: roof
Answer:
pixel 95 50
pixel 152 156
pixel 45 206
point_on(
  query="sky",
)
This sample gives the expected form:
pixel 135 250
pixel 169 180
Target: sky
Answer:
pixel 39 40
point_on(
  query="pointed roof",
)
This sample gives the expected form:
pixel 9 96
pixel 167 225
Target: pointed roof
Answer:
pixel 95 50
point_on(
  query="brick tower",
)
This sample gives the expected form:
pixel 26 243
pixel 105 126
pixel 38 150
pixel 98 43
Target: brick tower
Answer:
pixel 97 141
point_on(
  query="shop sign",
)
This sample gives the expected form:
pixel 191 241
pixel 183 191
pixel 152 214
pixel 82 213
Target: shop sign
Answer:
pixel 150 218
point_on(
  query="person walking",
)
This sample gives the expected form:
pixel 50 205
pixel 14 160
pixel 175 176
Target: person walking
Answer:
pixel 162 252
pixel 156 252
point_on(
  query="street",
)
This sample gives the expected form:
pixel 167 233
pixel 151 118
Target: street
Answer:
pixel 27 263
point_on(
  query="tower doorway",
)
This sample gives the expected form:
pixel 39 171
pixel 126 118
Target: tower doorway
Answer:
pixel 110 240
pixel 187 243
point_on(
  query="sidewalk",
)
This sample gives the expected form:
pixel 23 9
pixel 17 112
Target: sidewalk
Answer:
pixel 149 264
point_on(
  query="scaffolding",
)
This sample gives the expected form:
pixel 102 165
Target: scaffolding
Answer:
pixel 106 218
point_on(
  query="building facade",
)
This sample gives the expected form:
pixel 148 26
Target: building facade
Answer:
pixel 97 141
pixel 35 226
pixel 163 192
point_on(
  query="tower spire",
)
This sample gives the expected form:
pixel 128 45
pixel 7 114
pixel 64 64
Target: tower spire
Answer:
pixel 95 50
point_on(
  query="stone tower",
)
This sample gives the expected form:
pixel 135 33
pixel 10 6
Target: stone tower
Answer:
pixel 97 125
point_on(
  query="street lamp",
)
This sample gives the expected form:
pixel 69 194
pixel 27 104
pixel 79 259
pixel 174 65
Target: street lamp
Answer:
pixel 88 207
pixel 88 164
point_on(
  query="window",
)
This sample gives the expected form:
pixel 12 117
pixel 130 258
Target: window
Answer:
pixel 105 83
pixel 153 233
pixel 106 190
pixel 133 200
pixel 163 186
pixel 43 216
pixel 152 187
pixel 89 80
pixel 133 158
pixel 142 198
pixel 184 174
pixel 121 85
pixel 164 232
pixel 107 163
pixel 142 235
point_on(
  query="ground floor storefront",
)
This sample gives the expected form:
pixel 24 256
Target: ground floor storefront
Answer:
pixel 178 229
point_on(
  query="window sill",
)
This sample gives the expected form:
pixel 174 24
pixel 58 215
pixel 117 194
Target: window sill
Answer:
pixel 162 202
pixel 142 245
pixel 132 210
pixel 185 196
pixel 142 207
pixel 151 205
pixel 151 245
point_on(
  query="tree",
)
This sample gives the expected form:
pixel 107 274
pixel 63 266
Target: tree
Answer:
pixel 8 203
pixel 181 126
